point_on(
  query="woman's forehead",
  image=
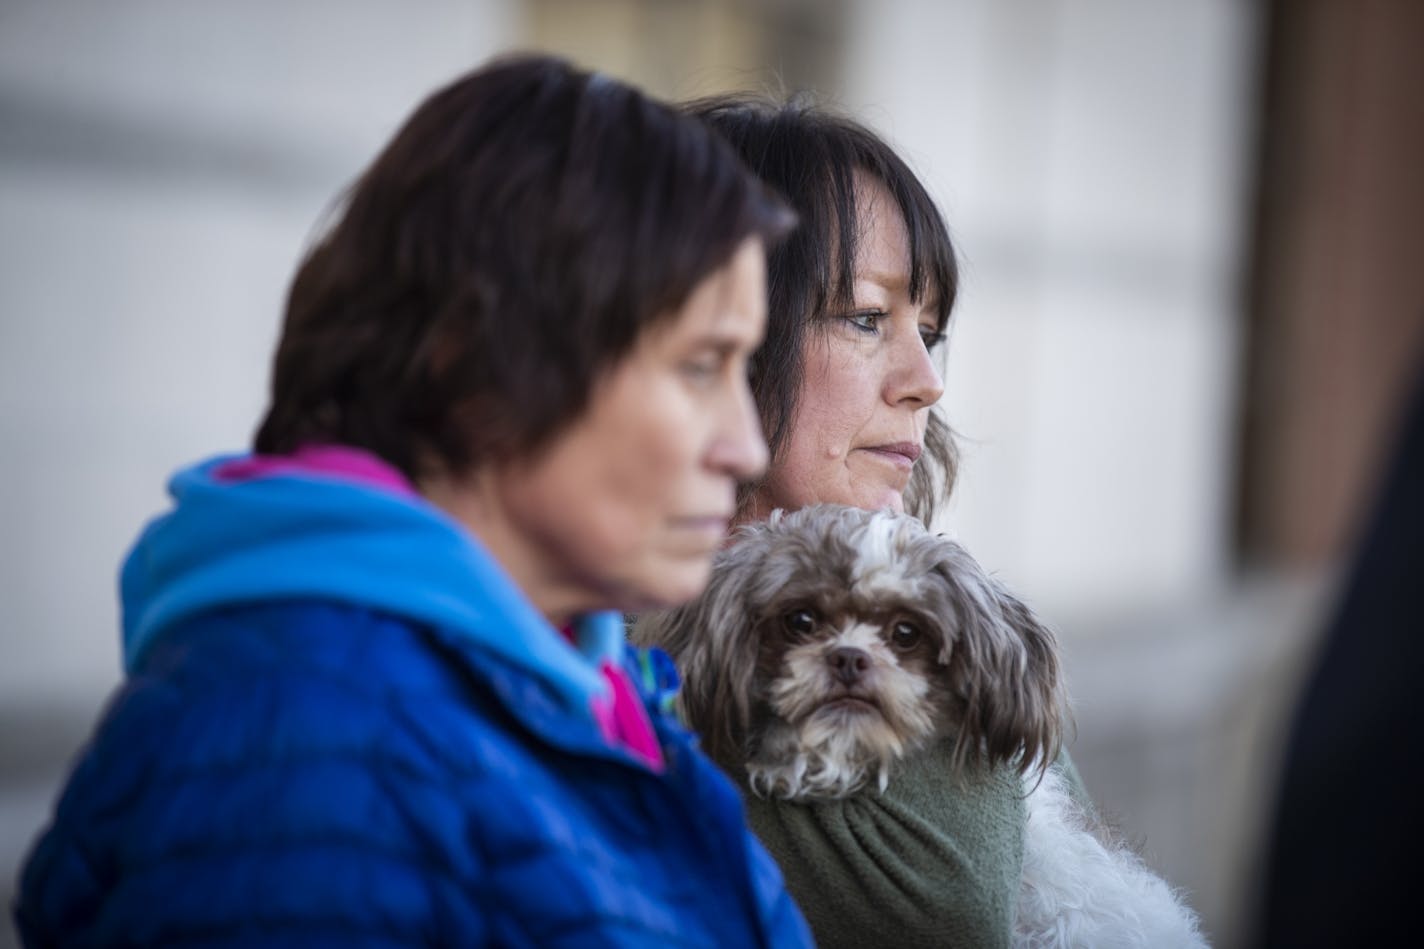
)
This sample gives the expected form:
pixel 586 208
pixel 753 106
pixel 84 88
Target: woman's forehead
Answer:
pixel 883 252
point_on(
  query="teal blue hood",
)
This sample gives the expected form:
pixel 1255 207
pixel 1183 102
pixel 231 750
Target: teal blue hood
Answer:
pixel 311 536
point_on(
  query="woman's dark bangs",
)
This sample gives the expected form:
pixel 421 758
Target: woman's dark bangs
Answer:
pixel 933 272
pixel 822 247
pixel 841 205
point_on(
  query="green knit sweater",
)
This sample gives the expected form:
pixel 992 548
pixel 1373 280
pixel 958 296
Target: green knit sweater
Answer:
pixel 934 861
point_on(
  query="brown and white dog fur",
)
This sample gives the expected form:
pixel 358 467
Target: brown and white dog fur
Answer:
pixel 833 642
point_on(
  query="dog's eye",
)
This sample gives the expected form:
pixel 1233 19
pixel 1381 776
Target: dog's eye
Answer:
pixel 904 635
pixel 800 622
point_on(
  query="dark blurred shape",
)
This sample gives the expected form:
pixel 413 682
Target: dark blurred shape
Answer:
pixel 1342 868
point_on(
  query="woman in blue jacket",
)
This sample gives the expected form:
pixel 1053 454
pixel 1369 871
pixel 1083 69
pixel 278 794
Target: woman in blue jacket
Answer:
pixel 376 687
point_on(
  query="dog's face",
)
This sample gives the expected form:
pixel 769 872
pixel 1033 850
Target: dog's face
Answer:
pixel 833 641
pixel 848 671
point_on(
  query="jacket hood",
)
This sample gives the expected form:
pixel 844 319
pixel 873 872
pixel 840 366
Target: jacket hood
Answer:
pixel 313 536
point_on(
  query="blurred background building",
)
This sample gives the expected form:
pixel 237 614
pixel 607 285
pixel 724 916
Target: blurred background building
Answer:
pixel 1193 245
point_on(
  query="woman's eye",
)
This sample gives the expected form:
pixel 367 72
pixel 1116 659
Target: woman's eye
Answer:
pixel 702 368
pixel 931 337
pixel 867 321
pixel 800 622
pixel 904 635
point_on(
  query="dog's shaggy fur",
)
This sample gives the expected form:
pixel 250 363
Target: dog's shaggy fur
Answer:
pixel 832 642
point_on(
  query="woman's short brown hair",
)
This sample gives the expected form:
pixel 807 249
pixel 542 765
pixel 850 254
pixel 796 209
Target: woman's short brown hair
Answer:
pixel 512 241
pixel 810 155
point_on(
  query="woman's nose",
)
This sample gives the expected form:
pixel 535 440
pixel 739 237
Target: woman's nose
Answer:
pixel 914 374
pixel 739 448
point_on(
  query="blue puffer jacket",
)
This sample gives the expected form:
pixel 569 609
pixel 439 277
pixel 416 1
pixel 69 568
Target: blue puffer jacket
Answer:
pixel 343 725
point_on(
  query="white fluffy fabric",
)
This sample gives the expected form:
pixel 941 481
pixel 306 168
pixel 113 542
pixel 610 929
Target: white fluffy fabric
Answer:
pixel 1079 892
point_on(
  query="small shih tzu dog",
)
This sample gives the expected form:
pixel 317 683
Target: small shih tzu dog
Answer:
pixel 832 643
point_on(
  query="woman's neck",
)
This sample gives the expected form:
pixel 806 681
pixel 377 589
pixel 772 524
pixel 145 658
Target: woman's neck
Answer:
pixel 474 502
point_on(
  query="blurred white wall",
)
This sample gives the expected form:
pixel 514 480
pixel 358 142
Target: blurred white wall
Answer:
pixel 1092 157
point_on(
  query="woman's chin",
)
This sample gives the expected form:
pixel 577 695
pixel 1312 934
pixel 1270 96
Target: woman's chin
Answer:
pixel 872 485
pixel 673 585
pixel 880 498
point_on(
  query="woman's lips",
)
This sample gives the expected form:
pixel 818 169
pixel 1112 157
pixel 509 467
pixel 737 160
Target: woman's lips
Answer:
pixel 700 535
pixel 901 454
pixel 712 523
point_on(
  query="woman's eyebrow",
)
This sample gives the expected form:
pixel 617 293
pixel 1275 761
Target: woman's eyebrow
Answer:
pixel 887 279
pixel 899 282
pixel 721 342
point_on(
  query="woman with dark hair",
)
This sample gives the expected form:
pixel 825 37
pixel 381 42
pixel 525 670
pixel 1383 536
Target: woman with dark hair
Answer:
pixel 846 382
pixel 376 690
pixel 860 298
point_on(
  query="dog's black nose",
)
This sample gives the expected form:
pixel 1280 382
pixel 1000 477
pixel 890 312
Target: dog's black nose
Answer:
pixel 849 663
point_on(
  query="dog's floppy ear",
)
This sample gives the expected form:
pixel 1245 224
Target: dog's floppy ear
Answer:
pixel 713 642
pixel 1003 664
